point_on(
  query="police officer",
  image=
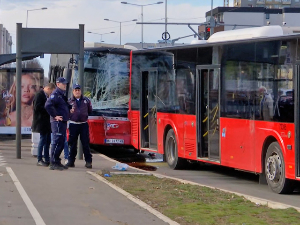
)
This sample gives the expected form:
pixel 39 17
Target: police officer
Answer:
pixel 59 110
pixel 81 108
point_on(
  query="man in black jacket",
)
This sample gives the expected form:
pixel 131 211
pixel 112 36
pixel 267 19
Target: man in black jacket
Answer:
pixel 81 108
pixel 41 123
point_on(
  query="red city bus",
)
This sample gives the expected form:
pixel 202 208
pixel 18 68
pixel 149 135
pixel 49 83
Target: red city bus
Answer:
pixel 232 101
pixel 106 84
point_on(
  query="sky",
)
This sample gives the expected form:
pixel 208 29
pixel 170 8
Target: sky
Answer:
pixel 70 13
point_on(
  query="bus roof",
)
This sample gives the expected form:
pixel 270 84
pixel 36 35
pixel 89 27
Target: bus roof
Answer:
pixel 119 51
pixel 235 38
pixel 253 32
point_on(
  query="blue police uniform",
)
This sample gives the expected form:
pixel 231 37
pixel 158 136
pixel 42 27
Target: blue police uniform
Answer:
pixel 79 126
pixel 57 105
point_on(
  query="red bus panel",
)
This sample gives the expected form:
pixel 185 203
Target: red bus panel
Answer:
pixel 109 131
pixel 166 121
pixel 285 136
pixel 237 143
pixel 134 117
pixel 190 137
pixel 242 143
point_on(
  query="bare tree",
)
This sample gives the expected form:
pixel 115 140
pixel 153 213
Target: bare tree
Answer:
pixel 34 63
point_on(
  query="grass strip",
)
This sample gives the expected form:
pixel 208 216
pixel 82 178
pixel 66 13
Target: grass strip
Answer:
pixel 191 204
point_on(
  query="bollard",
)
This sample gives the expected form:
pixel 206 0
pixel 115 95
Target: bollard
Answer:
pixel 35 138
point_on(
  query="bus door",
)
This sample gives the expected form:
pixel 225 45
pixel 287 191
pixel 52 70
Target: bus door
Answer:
pixel 148 109
pixel 207 112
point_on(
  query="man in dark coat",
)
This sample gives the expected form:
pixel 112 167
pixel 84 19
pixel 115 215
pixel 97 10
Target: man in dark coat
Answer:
pixel 41 123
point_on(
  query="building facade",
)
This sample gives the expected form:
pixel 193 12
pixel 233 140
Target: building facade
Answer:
pixel 5 41
pixel 273 4
pixel 229 18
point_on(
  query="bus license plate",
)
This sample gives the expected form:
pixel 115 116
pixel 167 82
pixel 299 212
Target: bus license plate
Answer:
pixel 114 141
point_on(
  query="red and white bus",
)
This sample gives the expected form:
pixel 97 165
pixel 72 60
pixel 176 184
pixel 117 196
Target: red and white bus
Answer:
pixel 230 101
pixel 106 84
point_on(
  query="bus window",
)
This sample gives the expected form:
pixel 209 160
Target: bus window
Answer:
pixel 275 94
pixel 259 82
pixel 185 90
pixel 239 87
pixel 165 92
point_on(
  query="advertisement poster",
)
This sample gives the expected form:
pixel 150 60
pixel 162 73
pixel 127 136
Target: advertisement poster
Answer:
pixel 32 81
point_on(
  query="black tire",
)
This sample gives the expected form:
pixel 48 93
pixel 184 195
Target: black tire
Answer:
pixel 275 170
pixel 171 152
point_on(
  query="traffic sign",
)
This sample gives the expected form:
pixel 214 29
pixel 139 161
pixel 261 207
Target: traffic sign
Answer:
pixel 165 36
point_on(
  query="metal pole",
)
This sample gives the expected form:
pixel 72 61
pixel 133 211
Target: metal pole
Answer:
pixel 142 27
pixel 166 19
pixel 212 5
pixel 27 19
pixel 120 33
pixel 196 33
pixel 212 22
pixel 81 78
pixel 18 89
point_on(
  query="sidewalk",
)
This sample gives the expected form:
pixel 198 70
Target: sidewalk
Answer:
pixel 71 196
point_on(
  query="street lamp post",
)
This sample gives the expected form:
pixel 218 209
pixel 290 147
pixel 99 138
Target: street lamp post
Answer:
pixel 142 15
pixel 101 34
pixel 120 22
pixel 33 10
pixel 212 21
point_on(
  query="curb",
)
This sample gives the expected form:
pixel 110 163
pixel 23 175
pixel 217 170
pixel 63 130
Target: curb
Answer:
pixel 135 200
pixel 258 201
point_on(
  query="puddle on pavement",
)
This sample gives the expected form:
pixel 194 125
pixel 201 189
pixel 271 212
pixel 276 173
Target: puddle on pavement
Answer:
pixel 147 163
pixel 141 160
pixel 142 166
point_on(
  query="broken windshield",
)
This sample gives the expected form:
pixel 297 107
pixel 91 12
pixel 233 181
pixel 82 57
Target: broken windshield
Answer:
pixel 106 80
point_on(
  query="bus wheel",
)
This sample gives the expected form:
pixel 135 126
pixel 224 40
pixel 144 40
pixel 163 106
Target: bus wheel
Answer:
pixel 171 153
pixel 275 170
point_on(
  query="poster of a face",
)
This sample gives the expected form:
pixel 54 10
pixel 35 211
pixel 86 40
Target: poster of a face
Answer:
pixel 31 82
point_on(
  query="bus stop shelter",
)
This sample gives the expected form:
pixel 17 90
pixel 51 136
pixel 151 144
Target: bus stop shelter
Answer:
pixel 37 41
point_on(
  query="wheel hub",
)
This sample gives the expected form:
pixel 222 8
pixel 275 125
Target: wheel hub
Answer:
pixel 274 168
